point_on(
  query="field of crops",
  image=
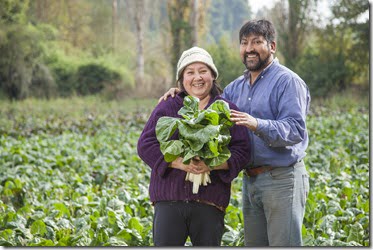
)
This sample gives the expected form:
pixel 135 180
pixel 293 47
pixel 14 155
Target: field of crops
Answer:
pixel 70 176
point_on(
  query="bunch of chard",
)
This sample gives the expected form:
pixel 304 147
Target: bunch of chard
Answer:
pixel 203 135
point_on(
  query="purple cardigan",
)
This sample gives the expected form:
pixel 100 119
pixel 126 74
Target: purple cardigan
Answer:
pixel 168 184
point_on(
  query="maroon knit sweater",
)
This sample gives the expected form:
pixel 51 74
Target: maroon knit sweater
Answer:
pixel 168 184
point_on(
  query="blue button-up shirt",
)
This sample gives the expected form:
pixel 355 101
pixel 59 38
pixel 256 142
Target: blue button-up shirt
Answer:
pixel 279 100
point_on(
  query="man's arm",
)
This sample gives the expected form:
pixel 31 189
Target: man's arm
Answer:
pixel 289 127
pixel 171 92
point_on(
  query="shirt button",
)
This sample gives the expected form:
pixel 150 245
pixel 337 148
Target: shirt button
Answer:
pixel 270 145
pixel 249 98
pixel 261 77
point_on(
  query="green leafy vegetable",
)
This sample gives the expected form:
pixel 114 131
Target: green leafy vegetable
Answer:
pixel 202 133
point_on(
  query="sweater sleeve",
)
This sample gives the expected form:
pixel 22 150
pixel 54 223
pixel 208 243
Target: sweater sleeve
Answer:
pixel 240 149
pixel 148 146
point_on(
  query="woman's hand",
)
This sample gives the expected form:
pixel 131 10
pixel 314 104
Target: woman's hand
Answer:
pixel 244 119
pixel 199 166
pixel 171 92
pixel 195 166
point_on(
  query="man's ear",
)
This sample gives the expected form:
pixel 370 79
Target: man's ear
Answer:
pixel 273 47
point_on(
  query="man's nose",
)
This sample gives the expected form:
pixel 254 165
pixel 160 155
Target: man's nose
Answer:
pixel 249 47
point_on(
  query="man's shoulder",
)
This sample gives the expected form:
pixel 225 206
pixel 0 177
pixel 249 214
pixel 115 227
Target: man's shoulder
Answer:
pixel 238 81
pixel 283 71
pixel 284 76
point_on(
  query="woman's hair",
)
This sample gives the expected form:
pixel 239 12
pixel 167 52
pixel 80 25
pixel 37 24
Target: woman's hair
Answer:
pixel 215 90
pixel 258 27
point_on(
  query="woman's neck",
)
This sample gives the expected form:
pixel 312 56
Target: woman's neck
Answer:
pixel 204 101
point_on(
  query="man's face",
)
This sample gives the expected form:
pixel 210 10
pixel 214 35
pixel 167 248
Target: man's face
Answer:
pixel 256 53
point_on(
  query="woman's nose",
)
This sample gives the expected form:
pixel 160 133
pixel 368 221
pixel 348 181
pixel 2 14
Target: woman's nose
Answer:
pixel 197 76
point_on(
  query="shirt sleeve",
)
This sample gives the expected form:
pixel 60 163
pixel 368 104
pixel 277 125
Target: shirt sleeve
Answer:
pixel 227 92
pixel 289 127
pixel 148 146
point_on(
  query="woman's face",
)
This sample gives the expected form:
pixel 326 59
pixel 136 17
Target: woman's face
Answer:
pixel 198 80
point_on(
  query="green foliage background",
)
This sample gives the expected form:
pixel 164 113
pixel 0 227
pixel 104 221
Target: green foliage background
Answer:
pixel 70 175
pixel 62 48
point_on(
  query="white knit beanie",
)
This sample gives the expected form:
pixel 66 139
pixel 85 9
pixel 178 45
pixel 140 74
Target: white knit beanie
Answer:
pixel 193 55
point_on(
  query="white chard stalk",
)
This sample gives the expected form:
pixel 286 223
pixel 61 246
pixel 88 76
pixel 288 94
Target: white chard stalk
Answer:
pixel 198 180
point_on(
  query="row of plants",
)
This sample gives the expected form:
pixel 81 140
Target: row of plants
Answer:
pixel 70 176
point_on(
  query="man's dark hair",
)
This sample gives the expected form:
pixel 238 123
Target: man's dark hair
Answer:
pixel 259 27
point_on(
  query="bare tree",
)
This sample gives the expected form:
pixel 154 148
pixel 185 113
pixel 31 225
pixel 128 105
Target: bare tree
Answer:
pixel 140 23
pixel 114 23
pixel 194 22
pixel 180 28
pixel 40 9
pixel 293 20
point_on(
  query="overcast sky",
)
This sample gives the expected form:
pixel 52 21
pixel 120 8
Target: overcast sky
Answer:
pixel 257 4
pixel 323 9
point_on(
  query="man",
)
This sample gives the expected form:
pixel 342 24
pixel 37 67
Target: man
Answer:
pixel 274 102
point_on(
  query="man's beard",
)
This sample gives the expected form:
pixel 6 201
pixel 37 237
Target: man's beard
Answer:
pixel 260 65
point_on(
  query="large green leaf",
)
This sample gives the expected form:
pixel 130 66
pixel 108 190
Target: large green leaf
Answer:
pixel 165 128
pixel 135 224
pixel 209 150
pixel 213 147
pixel 171 149
pixel 38 227
pixel 209 117
pixel 200 136
pixel 63 210
pixel 6 234
pixel 220 159
pixel 190 107
pixel 222 108
pixel 189 155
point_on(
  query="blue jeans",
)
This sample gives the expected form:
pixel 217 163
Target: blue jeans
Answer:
pixel 273 206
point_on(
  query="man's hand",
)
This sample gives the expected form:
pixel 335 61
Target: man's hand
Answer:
pixel 244 119
pixel 171 92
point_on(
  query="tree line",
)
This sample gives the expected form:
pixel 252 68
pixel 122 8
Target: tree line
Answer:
pixel 117 48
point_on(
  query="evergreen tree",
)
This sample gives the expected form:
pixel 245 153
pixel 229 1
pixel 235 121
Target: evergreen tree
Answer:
pixel 227 17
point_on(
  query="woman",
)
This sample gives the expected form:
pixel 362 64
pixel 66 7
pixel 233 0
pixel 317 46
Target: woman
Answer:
pixel 178 212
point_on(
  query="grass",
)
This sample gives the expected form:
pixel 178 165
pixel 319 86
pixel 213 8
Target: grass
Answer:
pixel 344 101
pixel 350 98
pixel 77 106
